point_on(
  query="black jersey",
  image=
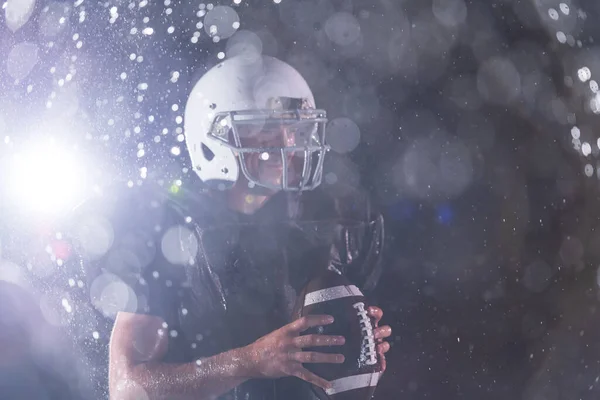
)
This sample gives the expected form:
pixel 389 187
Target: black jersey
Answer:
pixel 218 278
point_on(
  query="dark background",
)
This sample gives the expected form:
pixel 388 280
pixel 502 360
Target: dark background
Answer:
pixel 466 114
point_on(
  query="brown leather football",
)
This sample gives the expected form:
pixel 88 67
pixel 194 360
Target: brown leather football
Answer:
pixel 356 378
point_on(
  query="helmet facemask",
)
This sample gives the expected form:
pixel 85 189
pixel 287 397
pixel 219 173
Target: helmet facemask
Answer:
pixel 280 148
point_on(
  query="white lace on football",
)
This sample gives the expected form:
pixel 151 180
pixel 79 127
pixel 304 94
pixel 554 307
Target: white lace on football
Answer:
pixel 368 353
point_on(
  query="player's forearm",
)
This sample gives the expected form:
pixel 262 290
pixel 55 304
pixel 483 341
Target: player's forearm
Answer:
pixel 206 379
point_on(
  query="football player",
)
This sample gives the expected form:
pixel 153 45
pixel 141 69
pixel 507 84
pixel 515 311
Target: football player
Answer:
pixel 217 273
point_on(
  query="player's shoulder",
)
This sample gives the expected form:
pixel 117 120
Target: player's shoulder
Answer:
pixel 147 206
pixel 141 226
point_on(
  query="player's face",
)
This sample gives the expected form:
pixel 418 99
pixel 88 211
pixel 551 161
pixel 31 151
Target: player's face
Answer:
pixel 267 165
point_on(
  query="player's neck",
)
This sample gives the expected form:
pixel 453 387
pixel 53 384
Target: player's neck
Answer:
pixel 240 199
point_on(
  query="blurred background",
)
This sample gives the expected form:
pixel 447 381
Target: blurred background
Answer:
pixel 473 124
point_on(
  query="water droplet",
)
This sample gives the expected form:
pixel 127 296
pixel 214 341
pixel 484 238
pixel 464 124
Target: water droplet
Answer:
pixel 584 74
pixel 586 149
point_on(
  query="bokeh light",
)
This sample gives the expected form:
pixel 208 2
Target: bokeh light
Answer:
pixel 46 177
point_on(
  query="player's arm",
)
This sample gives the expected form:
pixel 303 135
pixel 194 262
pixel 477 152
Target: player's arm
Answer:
pixel 138 345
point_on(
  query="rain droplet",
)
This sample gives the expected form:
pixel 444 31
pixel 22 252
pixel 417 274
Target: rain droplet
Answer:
pixel 342 28
pixel 179 244
pixel 331 178
pixel 584 74
pixel 17 13
pixel 586 149
pixel 21 60
pixel 595 104
pixel 110 295
pixel 343 135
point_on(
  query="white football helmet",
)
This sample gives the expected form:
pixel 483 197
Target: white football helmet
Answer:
pixel 255 114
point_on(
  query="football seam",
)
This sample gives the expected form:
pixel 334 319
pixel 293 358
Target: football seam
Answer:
pixel 368 352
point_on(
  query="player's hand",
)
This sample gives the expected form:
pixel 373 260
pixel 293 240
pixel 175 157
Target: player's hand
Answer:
pixel 280 353
pixel 380 332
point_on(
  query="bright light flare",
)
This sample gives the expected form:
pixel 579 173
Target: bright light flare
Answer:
pixel 46 179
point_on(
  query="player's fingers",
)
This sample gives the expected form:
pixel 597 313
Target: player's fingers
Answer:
pixel 309 377
pixel 309 321
pixel 383 348
pixel 314 357
pixel 318 340
pixel 375 312
pixel 382 332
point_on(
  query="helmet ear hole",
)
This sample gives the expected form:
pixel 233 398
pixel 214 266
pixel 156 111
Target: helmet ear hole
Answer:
pixel 207 153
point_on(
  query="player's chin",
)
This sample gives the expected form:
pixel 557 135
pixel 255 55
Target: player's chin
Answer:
pixel 271 174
